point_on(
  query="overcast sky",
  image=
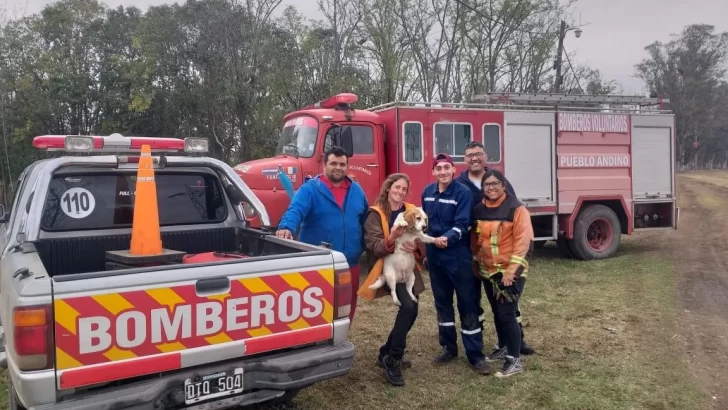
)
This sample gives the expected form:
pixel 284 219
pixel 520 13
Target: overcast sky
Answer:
pixel 613 42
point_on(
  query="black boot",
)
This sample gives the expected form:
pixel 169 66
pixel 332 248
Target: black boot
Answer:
pixel 393 371
pixel 406 364
pixel 444 356
pixel 526 349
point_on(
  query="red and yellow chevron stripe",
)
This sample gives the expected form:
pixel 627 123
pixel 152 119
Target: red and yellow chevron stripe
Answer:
pixel 315 290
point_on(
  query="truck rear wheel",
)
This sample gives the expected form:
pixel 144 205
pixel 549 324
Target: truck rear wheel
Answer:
pixel 13 403
pixel 597 233
pixel 287 398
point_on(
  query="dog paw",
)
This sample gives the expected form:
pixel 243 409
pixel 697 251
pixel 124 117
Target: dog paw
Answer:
pixel 401 223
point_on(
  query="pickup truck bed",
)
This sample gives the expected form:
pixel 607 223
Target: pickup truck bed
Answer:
pixel 62 256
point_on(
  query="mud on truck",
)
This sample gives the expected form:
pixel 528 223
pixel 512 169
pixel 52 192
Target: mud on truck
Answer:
pixel 188 308
pixel 590 168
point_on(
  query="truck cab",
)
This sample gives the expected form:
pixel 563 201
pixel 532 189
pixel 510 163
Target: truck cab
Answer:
pixel 306 135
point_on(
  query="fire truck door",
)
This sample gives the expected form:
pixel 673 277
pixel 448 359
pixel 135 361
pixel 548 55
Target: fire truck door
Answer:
pixel 529 151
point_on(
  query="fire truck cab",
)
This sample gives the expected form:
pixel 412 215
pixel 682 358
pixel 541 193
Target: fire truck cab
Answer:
pixel 589 168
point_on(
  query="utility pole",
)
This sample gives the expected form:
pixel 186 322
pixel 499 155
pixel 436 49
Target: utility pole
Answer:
pixel 559 53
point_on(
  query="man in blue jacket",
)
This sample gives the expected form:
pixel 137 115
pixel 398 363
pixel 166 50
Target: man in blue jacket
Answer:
pixel 448 204
pixel 475 159
pixel 330 208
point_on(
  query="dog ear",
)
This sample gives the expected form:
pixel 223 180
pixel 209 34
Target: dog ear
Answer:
pixel 409 216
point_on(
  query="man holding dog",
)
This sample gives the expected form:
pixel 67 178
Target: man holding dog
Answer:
pixel 475 159
pixel 448 204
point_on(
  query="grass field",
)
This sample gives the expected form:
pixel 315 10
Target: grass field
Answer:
pixel 604 332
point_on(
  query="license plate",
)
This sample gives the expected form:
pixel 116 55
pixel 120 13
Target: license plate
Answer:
pixel 214 385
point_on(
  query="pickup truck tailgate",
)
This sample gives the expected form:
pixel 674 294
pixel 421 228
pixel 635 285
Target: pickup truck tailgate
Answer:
pixel 115 326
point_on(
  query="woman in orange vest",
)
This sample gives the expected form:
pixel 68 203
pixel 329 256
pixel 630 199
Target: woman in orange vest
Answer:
pixel 379 240
pixel 502 244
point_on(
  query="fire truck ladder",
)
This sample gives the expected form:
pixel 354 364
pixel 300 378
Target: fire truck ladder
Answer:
pixel 572 99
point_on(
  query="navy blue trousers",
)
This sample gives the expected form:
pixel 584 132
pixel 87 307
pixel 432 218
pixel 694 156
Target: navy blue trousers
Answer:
pixel 454 277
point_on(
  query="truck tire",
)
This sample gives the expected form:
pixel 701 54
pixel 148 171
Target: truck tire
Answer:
pixel 13 403
pixel 287 398
pixel 597 233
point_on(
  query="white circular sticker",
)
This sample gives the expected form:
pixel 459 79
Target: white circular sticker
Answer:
pixel 78 203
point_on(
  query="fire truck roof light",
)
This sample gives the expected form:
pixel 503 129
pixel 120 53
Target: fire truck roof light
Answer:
pixel 117 143
pixel 339 99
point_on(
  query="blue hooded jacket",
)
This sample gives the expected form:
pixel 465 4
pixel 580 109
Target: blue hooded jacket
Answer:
pixel 322 220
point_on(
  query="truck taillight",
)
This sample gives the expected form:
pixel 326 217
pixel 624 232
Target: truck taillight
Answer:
pixel 342 299
pixel 32 337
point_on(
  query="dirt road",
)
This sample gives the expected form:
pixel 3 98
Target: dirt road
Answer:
pixel 699 249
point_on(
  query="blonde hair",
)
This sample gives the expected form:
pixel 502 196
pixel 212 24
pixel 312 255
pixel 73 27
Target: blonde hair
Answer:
pixel 382 200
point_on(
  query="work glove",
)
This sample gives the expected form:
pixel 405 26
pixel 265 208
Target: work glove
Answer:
pixel 506 293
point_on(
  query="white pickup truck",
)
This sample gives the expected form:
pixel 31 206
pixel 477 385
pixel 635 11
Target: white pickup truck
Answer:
pixel 82 334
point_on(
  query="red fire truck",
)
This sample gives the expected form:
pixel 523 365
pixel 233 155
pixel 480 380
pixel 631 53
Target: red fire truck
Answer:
pixel 589 168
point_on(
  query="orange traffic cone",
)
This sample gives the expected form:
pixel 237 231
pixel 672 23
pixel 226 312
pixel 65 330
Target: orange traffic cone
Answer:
pixel 145 236
pixel 146 239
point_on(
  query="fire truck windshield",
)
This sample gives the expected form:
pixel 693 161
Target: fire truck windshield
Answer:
pixel 298 137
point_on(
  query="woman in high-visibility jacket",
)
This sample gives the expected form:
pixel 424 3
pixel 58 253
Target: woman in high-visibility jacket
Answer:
pixel 502 244
pixel 379 237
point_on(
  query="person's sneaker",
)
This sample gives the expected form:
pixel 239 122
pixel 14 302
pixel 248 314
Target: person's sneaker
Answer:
pixel 393 371
pixel 443 357
pixel 526 349
pixel 406 364
pixel 481 367
pixel 497 354
pixel 511 366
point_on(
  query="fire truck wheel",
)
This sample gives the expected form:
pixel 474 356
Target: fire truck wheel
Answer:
pixel 597 233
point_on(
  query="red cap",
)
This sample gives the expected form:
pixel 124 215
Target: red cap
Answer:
pixel 442 158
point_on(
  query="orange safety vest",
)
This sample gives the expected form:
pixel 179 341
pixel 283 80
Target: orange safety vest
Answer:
pixel 376 270
pixel 494 237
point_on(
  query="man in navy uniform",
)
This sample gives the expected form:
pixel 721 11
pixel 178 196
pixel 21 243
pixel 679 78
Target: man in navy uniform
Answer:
pixel 448 205
pixel 475 158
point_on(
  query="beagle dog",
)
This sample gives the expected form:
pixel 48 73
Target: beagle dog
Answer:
pixel 399 266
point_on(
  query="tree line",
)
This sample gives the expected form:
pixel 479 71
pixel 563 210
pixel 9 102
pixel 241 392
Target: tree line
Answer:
pixel 228 70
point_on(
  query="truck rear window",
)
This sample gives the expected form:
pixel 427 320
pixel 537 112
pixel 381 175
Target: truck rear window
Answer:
pixel 103 201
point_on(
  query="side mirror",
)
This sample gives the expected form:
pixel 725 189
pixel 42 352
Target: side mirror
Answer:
pixel 4 217
pixel 341 137
pixel 346 141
